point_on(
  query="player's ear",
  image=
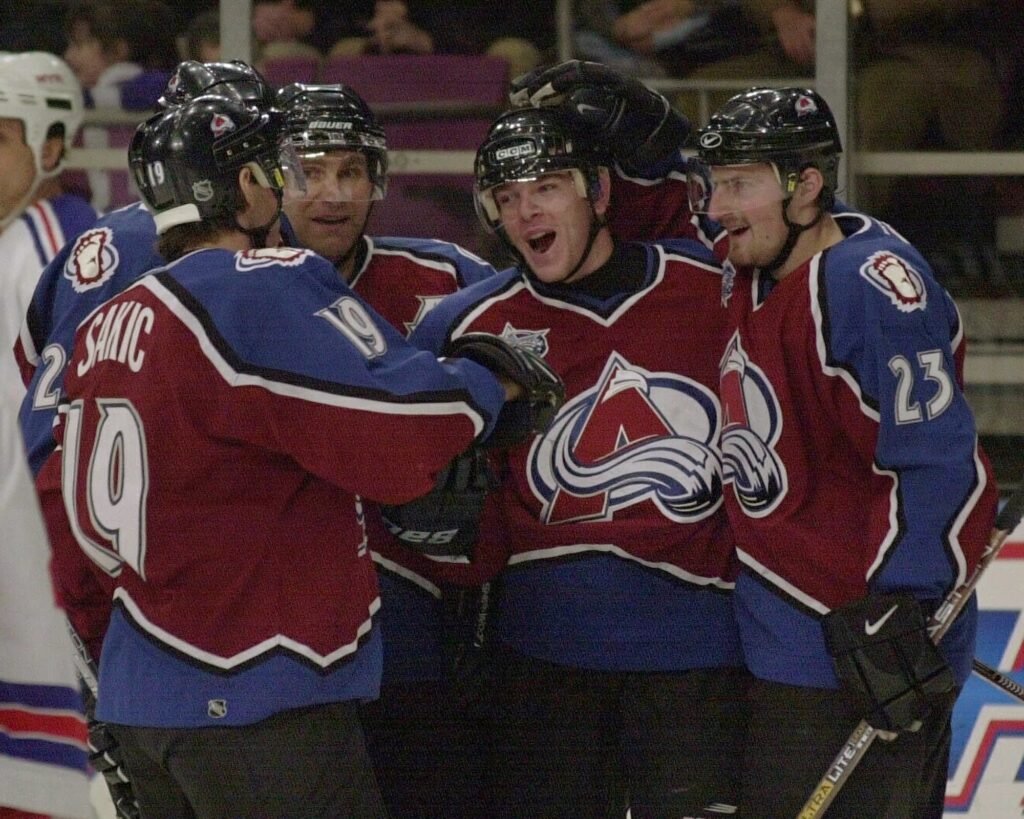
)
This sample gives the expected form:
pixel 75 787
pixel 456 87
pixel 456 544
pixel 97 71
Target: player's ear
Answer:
pixel 53 150
pixel 809 185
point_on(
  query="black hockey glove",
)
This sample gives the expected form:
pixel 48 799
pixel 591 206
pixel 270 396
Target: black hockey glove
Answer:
pixel 637 124
pixel 107 759
pixel 543 391
pixel 883 654
pixel 446 521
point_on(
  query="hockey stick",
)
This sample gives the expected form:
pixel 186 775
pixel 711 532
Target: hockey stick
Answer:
pixel 999 680
pixel 863 735
pixel 122 795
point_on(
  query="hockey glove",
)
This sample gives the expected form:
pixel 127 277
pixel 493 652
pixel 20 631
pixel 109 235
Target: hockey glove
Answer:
pixel 637 124
pixel 883 654
pixel 543 391
pixel 446 521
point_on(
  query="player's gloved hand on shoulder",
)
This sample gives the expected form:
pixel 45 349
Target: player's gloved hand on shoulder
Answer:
pixel 543 392
pixel 446 521
pixel 638 125
pixel 883 654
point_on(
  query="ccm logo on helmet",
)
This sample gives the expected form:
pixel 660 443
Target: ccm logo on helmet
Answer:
pixel 711 140
pixel 517 150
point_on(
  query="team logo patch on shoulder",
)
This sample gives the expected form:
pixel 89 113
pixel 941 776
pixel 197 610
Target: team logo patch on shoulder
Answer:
pixel 270 256
pixel 92 260
pixel 895 277
pixel 536 341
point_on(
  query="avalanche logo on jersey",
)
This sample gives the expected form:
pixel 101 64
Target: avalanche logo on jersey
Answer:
pixel 536 341
pixel 247 260
pixel 751 424
pixel 895 278
pixel 635 436
pixel 92 260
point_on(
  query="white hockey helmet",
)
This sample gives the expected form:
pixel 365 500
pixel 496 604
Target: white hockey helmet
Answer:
pixel 40 89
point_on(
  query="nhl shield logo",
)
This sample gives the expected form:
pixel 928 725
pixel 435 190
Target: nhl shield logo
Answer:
pixel 217 709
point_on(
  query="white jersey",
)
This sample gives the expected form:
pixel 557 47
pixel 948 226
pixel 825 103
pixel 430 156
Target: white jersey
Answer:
pixel 42 760
pixel 26 246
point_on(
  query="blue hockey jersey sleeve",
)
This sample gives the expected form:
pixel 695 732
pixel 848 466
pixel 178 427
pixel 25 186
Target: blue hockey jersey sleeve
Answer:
pixel 893 336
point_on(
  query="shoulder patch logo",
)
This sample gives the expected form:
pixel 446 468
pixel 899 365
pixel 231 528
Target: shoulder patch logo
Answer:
pixel 92 260
pixel 270 256
pixel 894 277
pixel 536 341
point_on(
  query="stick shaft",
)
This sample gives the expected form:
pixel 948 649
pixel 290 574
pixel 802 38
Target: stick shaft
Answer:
pixel 999 680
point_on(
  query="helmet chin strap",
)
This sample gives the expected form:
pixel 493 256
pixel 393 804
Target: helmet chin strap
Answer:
pixel 791 238
pixel 258 235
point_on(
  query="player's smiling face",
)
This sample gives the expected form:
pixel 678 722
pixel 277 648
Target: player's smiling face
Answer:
pixel 548 222
pixel 747 201
pixel 331 215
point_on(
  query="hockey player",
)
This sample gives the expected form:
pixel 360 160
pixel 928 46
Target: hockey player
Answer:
pixel 42 756
pixel 619 660
pixel 100 263
pixel 858 492
pixel 40 112
pixel 425 747
pixel 242 629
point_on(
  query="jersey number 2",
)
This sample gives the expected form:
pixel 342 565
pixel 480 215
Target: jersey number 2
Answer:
pixel 113 480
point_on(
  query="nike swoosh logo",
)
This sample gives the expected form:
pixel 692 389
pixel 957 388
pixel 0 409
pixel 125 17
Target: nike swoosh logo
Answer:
pixel 585 109
pixel 871 629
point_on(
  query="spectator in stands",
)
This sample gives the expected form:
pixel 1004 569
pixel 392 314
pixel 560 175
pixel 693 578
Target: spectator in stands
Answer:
pixel 33 25
pixel 122 52
pixel 909 58
pixel 316 23
pixel 202 37
pixel 518 31
pixel 655 38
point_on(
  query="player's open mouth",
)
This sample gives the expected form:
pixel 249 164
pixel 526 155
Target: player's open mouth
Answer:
pixel 330 221
pixel 540 244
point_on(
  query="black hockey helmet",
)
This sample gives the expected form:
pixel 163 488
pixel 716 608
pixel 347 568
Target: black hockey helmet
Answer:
pixel 320 118
pixel 185 160
pixel 192 79
pixel 525 143
pixel 790 128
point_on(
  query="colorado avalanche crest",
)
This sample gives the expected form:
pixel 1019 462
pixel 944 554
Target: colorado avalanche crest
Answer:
pixel 635 436
pixel 750 428
pixel 92 260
